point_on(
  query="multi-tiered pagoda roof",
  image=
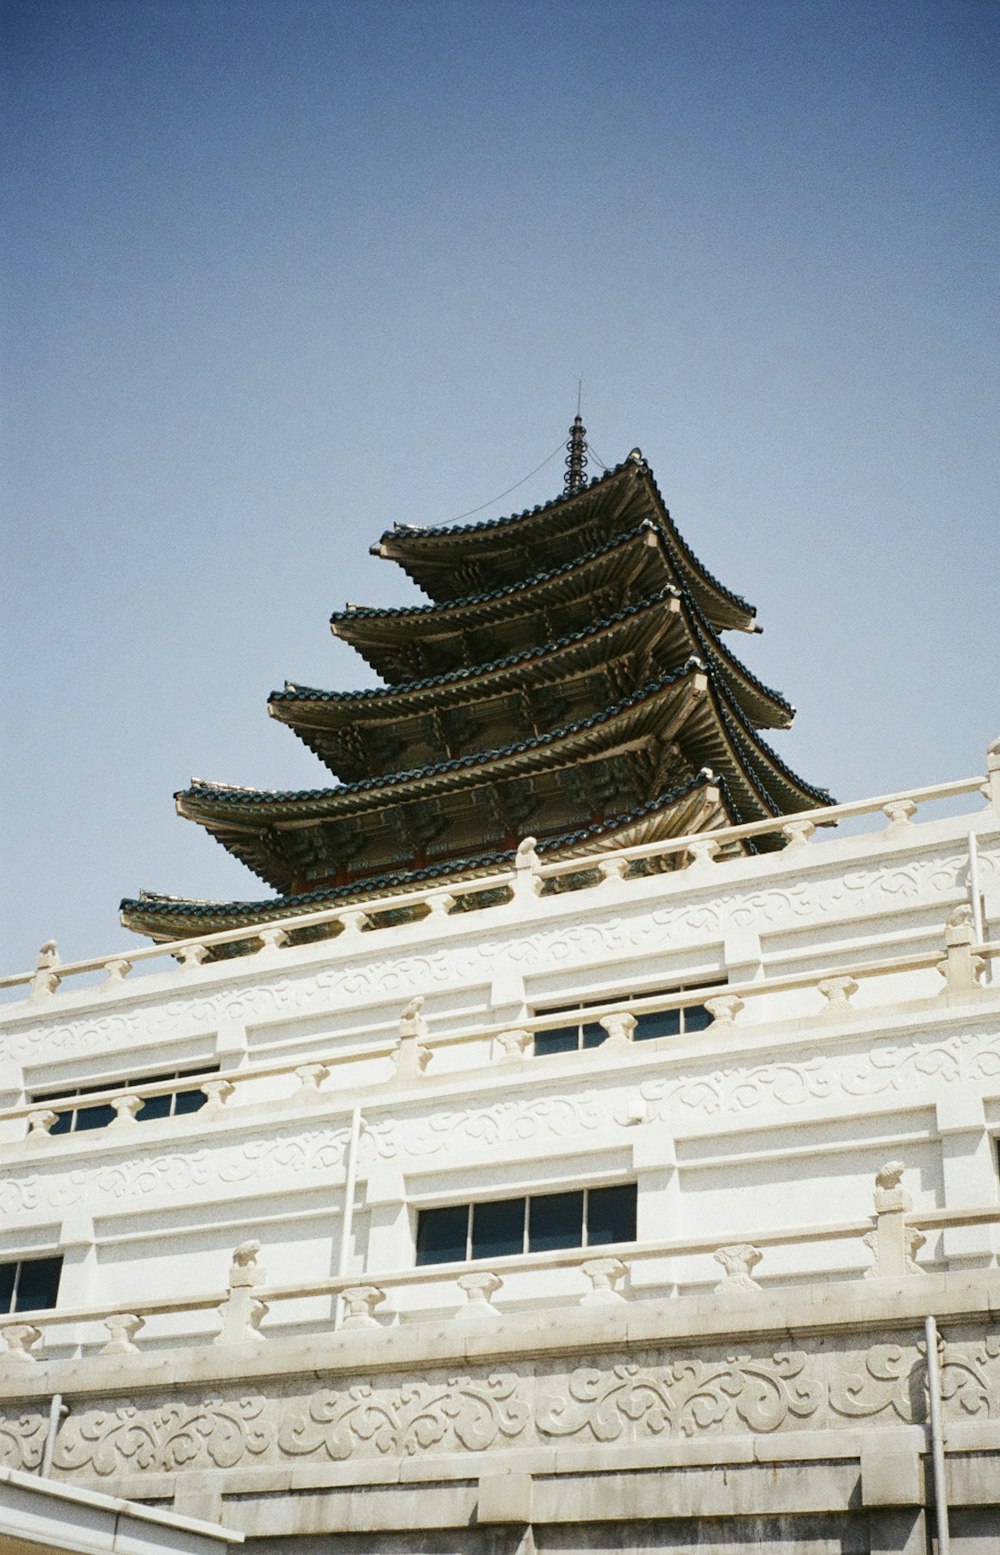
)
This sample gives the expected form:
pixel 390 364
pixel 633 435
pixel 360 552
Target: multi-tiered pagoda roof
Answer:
pixel 569 680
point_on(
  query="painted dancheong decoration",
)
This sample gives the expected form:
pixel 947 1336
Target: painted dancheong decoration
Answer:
pixel 569 681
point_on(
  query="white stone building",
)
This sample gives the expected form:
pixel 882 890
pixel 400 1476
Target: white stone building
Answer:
pixel 602 1193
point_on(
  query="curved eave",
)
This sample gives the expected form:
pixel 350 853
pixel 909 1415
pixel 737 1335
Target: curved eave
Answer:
pixel 701 804
pixel 374 632
pixel 441 559
pixel 342 728
pixel 359 733
pixel 214 805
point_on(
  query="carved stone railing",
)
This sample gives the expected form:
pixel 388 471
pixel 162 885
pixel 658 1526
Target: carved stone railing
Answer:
pixel 411 1052
pixel 893 1236
pixel 523 884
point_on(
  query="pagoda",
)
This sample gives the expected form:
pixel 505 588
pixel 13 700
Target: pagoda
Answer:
pixel 569 681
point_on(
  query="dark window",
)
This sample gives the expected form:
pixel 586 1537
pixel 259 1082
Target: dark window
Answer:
pixel 649 1023
pixel 555 1220
pixel 74 1120
pixel 30 1284
pixel 611 1215
pixel 443 1235
pixel 502 1228
pixel 498 1228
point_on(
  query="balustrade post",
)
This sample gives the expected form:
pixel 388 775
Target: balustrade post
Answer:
pixel 724 1008
pixel 440 903
pixel 47 975
pixel 527 880
pixel 117 970
pixel 40 1123
pixel 892 1242
pixel 192 956
pixel 514 1044
pixel 273 939
pixel 352 922
pixel 900 813
pixel 218 1093
pixel 123 1327
pixel 126 1108
pixel 737 1260
pixel 310 1078
pixel 20 1339
pixel 604 1274
pixel 701 854
pixel 242 1313
pixel 960 967
pixel 612 869
pixel 797 833
pixel 838 993
pixel 619 1029
pixel 479 1289
pixel 412 1055
pixel 360 1301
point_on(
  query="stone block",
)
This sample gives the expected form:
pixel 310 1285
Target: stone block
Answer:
pixel 890 1474
pixel 505 1498
pixel 961 1113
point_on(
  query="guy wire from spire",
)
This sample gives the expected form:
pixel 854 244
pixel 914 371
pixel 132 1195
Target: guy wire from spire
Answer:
pixel 576 458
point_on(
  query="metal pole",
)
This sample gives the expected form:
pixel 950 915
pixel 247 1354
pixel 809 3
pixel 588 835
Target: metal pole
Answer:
pixel 349 1191
pixel 937 1437
pixel 974 891
pixel 56 1411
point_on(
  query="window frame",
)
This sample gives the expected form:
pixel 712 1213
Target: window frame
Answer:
pixel 587 1192
pixel 79 1093
pixel 586 1031
pixel 18 1265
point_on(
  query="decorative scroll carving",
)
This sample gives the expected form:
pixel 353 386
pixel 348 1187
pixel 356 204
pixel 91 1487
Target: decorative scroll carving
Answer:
pixel 458 1412
pixel 683 1398
pixel 894 1380
pixel 507 1122
pixel 290 1150
pixel 213 1434
pixel 22 1440
pixel 886 1068
pixel 829 1383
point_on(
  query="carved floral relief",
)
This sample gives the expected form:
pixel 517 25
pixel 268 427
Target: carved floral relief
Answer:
pixel 672 1393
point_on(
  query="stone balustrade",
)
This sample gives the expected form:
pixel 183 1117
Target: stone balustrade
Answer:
pixel 525 882
pixel 892 1236
pixel 961 968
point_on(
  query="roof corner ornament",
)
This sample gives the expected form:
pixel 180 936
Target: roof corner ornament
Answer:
pixel 576 457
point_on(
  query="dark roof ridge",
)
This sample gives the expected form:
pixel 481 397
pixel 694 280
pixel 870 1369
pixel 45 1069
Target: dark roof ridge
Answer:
pixel 507 518
pixel 353 612
pixel 192 907
pixel 635 464
pixel 456 764
pixel 467 672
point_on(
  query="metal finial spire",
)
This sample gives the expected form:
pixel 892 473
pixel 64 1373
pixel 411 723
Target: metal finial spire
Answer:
pixel 576 457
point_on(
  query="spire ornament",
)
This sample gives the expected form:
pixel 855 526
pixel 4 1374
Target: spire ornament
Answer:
pixel 576 457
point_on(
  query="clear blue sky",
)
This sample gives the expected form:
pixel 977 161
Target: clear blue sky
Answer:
pixel 277 273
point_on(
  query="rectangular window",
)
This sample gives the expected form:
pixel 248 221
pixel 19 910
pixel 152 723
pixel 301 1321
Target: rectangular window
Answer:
pixel 576 1035
pixel 30 1284
pixel 539 1223
pixel 76 1120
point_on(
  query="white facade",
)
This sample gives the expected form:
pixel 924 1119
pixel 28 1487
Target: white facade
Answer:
pixel 752 1357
